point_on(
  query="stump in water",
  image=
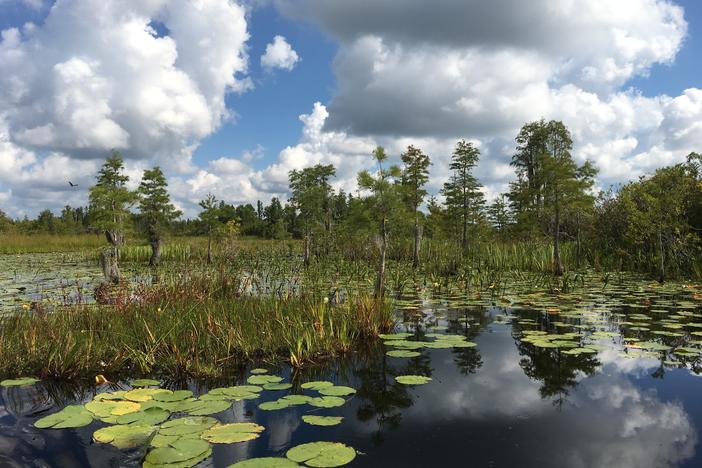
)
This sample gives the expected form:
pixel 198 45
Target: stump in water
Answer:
pixel 110 268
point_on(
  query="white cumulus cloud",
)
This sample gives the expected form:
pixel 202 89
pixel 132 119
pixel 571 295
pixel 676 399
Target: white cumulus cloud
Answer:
pixel 279 54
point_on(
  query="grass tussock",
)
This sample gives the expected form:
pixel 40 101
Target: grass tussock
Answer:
pixel 185 332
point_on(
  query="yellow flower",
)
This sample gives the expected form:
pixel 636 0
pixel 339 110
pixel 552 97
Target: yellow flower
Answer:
pixel 25 306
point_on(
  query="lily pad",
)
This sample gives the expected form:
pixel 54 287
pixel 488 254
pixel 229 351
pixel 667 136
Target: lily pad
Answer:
pixel 107 408
pixel 322 454
pixel 144 394
pixel 205 407
pixel 178 395
pixel 149 416
pixel 265 462
pixel 187 425
pixel 263 379
pixel 337 391
pixel 277 386
pixel 401 353
pixel 69 417
pixel 19 382
pixel 412 379
pixel 125 436
pixel 258 371
pixel 232 433
pixel 179 452
pixel 316 385
pixel 326 402
pixel 322 420
pixel 145 382
pixel 274 405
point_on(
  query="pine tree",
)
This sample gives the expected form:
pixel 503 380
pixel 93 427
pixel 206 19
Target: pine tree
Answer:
pixel 415 175
pixel 156 210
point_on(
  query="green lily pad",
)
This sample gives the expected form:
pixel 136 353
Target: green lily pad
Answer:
pixel 297 399
pixel 69 417
pixel 19 382
pixel 263 379
pixel 145 382
pixel 232 433
pixel 400 353
pixel 178 395
pixel 125 436
pixel 107 408
pixel 187 425
pixel 316 385
pixel 274 405
pixel 259 371
pixel 144 394
pixel 412 379
pixel 277 386
pixel 337 391
pixel 326 402
pixel 205 407
pixel 322 420
pixel 181 451
pixel 149 416
pixel 265 462
pixel 322 454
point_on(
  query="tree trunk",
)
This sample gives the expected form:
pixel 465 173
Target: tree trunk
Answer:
pixel 380 279
pixel 155 252
pixel 578 247
pixel 110 268
pixel 661 264
pixel 417 243
pixel 306 249
pixel 464 237
pixel 209 249
pixel 557 264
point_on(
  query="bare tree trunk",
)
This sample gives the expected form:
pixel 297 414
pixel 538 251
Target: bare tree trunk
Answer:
pixel 110 268
pixel 661 265
pixel 464 238
pixel 417 243
pixel 557 264
pixel 155 252
pixel 380 279
pixel 306 249
pixel 209 249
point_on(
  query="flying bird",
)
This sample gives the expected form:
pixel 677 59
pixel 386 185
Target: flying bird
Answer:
pixel 72 184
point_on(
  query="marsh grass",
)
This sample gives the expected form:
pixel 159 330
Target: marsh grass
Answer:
pixel 183 329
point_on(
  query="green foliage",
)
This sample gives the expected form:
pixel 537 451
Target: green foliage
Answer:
pixel 110 200
pixel 155 207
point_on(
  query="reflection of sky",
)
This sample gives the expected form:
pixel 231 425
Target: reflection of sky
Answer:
pixel 618 417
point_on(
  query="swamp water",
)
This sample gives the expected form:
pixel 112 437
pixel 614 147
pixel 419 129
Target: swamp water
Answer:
pixel 605 377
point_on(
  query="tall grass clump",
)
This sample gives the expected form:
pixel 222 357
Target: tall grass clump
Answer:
pixel 185 330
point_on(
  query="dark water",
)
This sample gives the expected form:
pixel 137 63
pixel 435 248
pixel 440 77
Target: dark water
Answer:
pixel 504 403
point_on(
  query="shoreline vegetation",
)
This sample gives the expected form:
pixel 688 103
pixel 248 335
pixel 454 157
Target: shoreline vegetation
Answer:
pixel 195 327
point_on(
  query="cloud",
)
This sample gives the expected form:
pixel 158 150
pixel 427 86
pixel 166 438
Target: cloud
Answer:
pixel 279 54
pixel 97 75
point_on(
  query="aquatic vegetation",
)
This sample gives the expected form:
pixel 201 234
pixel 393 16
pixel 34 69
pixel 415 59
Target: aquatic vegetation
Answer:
pixel 412 379
pixel 265 462
pixel 322 454
pixel 68 417
pixel 322 420
pixel 19 382
pixel 232 433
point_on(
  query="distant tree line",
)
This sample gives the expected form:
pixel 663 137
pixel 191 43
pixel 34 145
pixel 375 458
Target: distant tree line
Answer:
pixel 653 223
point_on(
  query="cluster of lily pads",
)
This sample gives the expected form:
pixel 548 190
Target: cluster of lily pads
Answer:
pixel 178 428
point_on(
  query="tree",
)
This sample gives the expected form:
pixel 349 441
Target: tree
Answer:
pixel 415 175
pixel 209 216
pixel 156 210
pixel 499 215
pixel 110 201
pixel 464 199
pixel 311 197
pixel 382 192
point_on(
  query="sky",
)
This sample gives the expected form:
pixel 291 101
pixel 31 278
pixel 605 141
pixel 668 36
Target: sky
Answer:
pixel 228 97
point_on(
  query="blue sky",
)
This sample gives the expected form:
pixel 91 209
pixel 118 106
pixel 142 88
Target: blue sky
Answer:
pixel 79 77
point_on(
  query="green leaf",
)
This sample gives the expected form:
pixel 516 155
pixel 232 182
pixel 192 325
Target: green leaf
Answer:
pixel 149 416
pixel 265 462
pixel 19 382
pixel 69 417
pixel 259 371
pixel 205 407
pixel 412 379
pixel 322 454
pixel 144 394
pixel 322 420
pixel 263 379
pixel 327 402
pixel 178 395
pixel 400 353
pixel 125 436
pixel 232 433
pixel 107 408
pixel 337 391
pixel 274 405
pixel 180 451
pixel 145 382
pixel 187 425
pixel 316 385
pixel 277 386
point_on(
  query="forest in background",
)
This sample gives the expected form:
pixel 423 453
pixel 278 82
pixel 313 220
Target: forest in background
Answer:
pixel 653 224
